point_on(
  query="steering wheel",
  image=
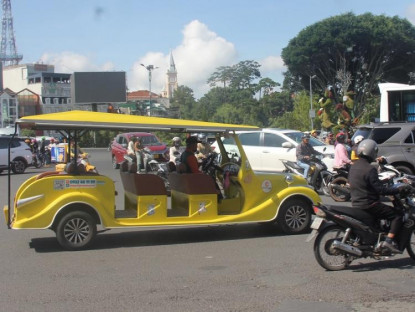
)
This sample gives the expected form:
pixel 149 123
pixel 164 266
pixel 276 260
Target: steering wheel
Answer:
pixel 208 162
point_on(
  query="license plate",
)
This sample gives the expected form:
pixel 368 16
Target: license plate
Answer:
pixel 317 223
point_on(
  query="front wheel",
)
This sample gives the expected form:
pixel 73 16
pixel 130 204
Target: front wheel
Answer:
pixel 411 245
pixel 76 230
pixel 328 257
pixel 339 189
pixel 294 216
pixel 18 166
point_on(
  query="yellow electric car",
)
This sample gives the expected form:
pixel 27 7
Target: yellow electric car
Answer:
pixel 74 202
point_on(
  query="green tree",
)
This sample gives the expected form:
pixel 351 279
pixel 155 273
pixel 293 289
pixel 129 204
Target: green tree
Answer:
pixel 370 48
pixel 183 103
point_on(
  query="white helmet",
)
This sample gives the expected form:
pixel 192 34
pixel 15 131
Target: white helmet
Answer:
pixel 358 139
pixel 176 141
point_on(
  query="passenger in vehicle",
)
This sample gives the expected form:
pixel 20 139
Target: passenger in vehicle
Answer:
pixel 304 151
pixel 130 148
pixel 188 158
pixel 176 149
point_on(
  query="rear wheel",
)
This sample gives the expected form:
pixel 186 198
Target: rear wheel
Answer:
pixel 76 230
pixel 404 169
pixel 411 245
pixel 339 189
pixel 328 257
pixel 324 188
pixel 18 166
pixel 115 165
pixel 294 216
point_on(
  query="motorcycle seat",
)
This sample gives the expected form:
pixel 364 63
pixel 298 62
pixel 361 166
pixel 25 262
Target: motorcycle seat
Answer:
pixel 359 214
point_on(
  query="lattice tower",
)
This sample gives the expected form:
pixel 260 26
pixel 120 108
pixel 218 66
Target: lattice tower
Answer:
pixel 8 50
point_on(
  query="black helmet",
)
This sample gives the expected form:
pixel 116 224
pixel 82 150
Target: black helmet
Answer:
pixel 368 149
pixel 305 136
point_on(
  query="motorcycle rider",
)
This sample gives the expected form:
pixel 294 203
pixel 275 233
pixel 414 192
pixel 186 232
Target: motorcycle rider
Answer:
pixel 366 188
pixel 304 151
pixel 203 147
pixel 176 150
pixel 356 141
pixel 341 156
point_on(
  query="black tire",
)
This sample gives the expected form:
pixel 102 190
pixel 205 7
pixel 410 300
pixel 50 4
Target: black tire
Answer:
pixel 115 165
pixel 294 216
pixel 18 166
pixel 324 187
pixel 332 260
pixel 404 169
pixel 337 195
pixel 410 248
pixel 76 230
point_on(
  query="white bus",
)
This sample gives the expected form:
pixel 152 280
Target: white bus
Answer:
pixel 397 102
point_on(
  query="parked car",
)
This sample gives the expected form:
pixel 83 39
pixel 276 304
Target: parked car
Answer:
pixel 396 141
pixel 20 154
pixel 119 146
pixel 266 147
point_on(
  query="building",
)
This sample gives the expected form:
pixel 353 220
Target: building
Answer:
pixel 53 90
pixel 8 108
pixel 171 83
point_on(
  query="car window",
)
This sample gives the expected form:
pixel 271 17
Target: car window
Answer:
pixel 295 136
pixel 15 143
pixel 119 139
pixel 3 144
pixel 251 139
pixel 380 135
pixel 410 138
pixel 273 140
pixel 150 140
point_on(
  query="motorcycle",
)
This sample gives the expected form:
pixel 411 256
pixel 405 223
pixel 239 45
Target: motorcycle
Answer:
pixel 339 188
pixel 151 166
pixel 341 236
pixel 38 160
pixel 319 176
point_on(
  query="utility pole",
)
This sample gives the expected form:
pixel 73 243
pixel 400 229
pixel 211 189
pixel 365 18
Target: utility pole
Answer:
pixel 149 68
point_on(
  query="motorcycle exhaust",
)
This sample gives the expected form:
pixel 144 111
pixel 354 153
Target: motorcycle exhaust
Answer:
pixel 347 248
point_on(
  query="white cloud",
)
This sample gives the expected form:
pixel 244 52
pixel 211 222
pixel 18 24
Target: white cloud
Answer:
pixel 410 13
pixel 69 62
pixel 196 58
pixel 273 67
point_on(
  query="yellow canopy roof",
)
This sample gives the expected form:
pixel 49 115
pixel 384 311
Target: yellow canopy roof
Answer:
pixel 72 120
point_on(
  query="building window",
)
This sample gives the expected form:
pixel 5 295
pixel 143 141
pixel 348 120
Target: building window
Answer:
pixel 47 101
pixel 55 100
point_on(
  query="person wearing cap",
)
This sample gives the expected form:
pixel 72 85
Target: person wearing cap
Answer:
pixel 356 141
pixel 188 158
pixel 304 151
pixel 314 134
pixel 341 156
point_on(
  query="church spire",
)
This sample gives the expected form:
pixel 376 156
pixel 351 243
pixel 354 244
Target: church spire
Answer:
pixel 171 84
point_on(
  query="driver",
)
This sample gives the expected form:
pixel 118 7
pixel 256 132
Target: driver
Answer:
pixel 366 188
pixel 188 157
pixel 303 152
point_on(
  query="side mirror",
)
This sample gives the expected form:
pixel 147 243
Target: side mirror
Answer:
pixel 287 145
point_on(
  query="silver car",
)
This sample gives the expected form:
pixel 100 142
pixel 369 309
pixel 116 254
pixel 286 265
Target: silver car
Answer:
pixel 20 154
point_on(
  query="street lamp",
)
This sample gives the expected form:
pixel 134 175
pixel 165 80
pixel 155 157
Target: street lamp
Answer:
pixel 311 113
pixel 149 68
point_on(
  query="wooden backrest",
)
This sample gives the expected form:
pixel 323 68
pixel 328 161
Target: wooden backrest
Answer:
pixel 143 184
pixel 192 183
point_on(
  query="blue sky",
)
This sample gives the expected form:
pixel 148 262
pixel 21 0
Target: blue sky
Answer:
pixel 101 35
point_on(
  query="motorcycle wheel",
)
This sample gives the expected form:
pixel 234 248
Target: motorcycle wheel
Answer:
pixel 337 195
pixel 324 188
pixel 328 258
pixel 410 248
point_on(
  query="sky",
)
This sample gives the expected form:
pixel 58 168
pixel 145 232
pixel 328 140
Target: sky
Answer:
pixel 114 35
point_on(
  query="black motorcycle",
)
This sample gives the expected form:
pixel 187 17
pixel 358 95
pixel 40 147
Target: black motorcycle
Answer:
pixel 344 234
pixel 339 188
pixel 319 176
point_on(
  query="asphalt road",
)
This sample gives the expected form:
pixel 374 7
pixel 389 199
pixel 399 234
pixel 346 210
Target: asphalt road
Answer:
pixel 216 268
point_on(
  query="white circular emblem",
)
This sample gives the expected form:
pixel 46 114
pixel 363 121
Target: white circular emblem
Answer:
pixel 266 186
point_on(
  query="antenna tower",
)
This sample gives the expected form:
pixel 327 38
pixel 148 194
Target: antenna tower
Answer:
pixel 8 51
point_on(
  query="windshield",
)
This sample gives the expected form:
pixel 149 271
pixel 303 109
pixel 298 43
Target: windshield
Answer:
pixel 296 136
pixel 150 140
